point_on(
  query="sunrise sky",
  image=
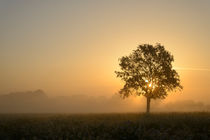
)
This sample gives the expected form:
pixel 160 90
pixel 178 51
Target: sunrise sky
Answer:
pixel 72 46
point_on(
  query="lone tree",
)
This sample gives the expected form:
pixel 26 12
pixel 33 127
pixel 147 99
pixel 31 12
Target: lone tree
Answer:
pixel 148 71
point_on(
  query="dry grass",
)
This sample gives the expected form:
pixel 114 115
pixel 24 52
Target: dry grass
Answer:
pixel 130 126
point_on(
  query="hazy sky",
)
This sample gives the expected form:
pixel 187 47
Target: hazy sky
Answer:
pixel 72 46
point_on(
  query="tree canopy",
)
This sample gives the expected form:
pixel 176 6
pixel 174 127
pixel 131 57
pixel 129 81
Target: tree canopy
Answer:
pixel 148 71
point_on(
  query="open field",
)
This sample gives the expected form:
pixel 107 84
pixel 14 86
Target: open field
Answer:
pixel 173 126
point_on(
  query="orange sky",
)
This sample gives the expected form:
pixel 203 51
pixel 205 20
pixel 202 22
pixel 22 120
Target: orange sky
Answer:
pixel 72 47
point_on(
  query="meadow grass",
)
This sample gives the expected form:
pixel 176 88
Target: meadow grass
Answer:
pixel 107 126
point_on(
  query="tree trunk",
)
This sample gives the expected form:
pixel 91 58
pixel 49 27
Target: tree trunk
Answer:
pixel 148 105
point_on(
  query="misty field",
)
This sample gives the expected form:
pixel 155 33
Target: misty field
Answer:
pixel 131 126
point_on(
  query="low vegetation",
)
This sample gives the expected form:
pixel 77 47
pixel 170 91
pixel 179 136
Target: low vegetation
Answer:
pixel 131 126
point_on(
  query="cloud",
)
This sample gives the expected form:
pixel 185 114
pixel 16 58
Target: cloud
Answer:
pixel 191 69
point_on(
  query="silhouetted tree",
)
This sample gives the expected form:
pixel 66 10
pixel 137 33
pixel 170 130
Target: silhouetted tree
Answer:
pixel 148 71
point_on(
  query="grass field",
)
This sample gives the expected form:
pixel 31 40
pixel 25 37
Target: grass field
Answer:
pixel 158 126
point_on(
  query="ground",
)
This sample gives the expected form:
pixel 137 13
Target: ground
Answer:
pixel 125 126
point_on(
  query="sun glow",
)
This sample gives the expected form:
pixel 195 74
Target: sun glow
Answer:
pixel 151 84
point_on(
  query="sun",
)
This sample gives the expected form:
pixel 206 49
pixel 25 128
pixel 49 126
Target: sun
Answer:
pixel 151 84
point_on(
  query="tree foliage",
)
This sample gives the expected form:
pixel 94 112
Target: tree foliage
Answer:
pixel 148 71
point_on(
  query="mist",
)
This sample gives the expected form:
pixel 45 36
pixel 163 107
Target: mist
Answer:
pixel 39 102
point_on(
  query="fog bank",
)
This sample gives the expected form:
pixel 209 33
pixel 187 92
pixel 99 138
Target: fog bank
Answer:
pixel 38 102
